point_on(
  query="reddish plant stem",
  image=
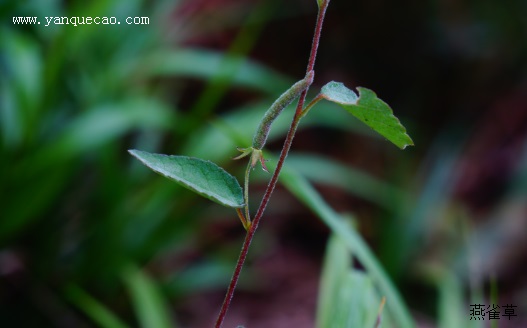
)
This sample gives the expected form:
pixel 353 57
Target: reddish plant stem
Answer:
pixel 272 184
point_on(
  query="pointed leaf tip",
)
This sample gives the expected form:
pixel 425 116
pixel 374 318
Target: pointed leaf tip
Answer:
pixel 203 177
pixel 370 110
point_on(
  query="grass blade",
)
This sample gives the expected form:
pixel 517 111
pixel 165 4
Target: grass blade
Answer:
pixel 149 305
pixel 309 196
pixel 348 297
pixel 337 262
pixel 93 308
pixel 451 303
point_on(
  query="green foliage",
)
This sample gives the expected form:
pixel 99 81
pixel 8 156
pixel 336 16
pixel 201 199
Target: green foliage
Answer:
pixel 327 171
pixel 203 177
pixel 75 208
pixel 370 110
pixel 72 100
pixel 93 308
pixel 451 304
pixel 347 297
pixel 147 300
pixel 212 182
pixel 68 95
pixel 205 64
pixel 299 187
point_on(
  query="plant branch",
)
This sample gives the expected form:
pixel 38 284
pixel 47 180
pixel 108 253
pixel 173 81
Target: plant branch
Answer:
pixel 272 183
pixel 246 193
pixel 312 103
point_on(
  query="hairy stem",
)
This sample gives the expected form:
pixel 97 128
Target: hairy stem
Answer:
pixel 312 103
pixel 242 218
pixel 272 184
pixel 246 193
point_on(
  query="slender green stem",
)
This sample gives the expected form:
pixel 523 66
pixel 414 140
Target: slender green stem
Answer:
pixel 246 194
pixel 270 187
pixel 310 105
pixel 242 218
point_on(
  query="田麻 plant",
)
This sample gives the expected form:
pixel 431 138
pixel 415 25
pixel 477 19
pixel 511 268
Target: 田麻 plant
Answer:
pixel 211 181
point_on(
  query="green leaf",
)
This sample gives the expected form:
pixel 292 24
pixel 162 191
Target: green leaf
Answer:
pixel 151 307
pixel 370 110
pixel 337 262
pixel 205 64
pixel 307 194
pixel 451 302
pixel 200 176
pixel 94 309
pixel 326 171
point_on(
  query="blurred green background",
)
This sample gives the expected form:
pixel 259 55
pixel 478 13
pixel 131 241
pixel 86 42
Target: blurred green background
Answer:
pixel 90 238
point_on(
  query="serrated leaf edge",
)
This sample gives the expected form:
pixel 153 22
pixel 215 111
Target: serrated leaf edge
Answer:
pixel 212 196
pixel 400 126
pixel 357 103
